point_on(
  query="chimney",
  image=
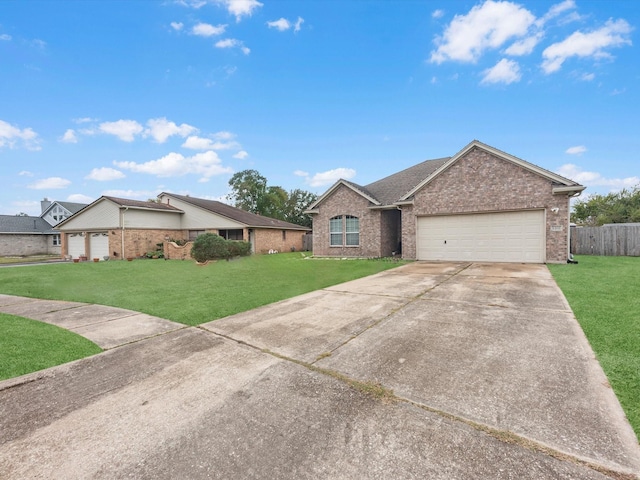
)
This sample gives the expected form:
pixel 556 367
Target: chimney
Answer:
pixel 44 204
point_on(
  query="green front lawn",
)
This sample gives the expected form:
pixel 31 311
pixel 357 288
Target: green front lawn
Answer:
pixel 181 290
pixel 604 293
pixel 176 290
pixel 28 345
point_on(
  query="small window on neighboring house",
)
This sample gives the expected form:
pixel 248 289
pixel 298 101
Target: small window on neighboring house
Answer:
pixel 193 234
pixel 335 231
pixel 235 234
pixel 56 240
pixel 352 231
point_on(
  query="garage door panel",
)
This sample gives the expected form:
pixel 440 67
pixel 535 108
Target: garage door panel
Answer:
pixel 99 244
pixel 493 237
pixel 75 246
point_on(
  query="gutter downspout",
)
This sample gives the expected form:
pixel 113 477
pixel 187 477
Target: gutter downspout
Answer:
pixel 122 232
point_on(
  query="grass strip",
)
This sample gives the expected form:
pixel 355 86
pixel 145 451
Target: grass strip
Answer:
pixel 604 294
pixel 29 345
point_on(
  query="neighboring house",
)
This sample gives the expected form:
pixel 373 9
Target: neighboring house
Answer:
pixel 29 235
pixel 482 204
pixel 121 228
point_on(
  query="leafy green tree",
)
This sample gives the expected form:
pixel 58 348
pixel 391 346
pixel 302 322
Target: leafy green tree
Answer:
pixel 249 191
pixel 618 207
pixel 297 203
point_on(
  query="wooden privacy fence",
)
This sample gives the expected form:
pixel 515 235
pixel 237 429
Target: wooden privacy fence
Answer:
pixel 622 239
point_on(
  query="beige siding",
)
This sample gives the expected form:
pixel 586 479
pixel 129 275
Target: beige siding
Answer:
pixel 102 215
pixel 196 218
pixel 134 218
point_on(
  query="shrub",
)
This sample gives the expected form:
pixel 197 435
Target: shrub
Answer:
pixel 209 247
pixel 239 248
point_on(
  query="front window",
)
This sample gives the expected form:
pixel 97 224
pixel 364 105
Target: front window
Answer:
pixel 193 234
pixel 335 231
pixel 344 230
pixel 56 240
pixel 236 234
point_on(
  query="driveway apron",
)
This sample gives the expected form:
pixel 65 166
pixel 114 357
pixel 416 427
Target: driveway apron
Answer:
pixel 429 370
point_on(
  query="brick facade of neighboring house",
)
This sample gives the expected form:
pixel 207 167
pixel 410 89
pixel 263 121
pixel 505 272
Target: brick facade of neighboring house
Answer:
pixel 24 235
pixel 130 228
pixel 473 184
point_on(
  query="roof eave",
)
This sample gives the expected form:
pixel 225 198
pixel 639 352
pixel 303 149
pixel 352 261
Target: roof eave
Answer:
pixel 568 189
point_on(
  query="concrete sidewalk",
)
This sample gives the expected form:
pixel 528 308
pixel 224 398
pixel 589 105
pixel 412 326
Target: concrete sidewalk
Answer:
pixel 482 369
pixel 107 327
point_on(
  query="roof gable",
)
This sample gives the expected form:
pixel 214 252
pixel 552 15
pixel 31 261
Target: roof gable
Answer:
pixel 360 190
pixel 564 184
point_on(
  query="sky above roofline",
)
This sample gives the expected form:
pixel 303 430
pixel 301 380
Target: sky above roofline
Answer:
pixel 129 99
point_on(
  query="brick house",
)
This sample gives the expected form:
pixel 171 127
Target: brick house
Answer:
pixel 482 204
pixel 29 235
pixel 121 228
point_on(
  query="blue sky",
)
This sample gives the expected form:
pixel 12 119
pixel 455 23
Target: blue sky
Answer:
pixel 134 98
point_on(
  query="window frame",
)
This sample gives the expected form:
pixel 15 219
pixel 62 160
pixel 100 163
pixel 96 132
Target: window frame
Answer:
pixel 344 231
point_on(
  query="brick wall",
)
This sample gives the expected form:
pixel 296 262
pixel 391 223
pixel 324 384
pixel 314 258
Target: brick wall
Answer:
pixel 345 201
pixel 27 245
pixel 481 182
pixel 266 239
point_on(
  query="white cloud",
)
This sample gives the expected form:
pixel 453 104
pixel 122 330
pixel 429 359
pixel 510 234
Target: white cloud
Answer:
pixel 69 136
pixel 301 173
pixel 177 26
pixel 524 46
pixel 577 150
pixel 240 8
pixel 161 129
pixel 104 174
pixel 200 143
pixel 125 130
pixel 298 25
pixel 590 45
pixel 437 14
pixel 85 120
pixel 206 164
pixel 587 77
pixel 557 9
pixel 223 135
pixel 206 30
pixel 595 179
pixel 241 155
pixel 231 43
pixel 505 71
pixel 50 183
pixel 486 26
pixel 79 198
pixel 25 173
pixel 6 37
pixel 331 176
pixel 281 24
pixel 12 136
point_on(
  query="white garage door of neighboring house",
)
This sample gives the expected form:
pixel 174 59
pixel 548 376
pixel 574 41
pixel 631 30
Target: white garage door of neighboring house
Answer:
pixel 75 246
pixel 483 237
pixel 99 244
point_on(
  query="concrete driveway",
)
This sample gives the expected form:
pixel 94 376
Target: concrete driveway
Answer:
pixel 430 370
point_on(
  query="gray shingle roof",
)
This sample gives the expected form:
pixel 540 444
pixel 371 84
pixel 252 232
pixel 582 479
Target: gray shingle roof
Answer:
pixel 21 224
pixel 392 188
pixel 237 214
pixel 125 202
pixel 72 206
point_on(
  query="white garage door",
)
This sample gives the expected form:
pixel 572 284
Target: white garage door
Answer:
pixel 76 245
pixel 486 237
pixel 99 244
